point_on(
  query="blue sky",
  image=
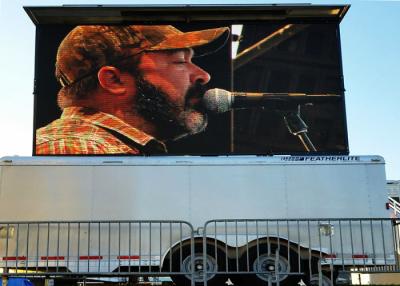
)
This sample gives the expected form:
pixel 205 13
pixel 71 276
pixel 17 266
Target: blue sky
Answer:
pixel 371 61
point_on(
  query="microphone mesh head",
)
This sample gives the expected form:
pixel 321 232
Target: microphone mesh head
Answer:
pixel 217 100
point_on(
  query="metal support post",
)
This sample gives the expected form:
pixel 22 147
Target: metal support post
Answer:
pixel 299 128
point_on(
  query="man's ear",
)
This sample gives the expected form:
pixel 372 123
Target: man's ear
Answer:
pixel 110 79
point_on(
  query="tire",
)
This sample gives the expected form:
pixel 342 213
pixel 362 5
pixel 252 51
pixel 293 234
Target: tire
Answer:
pixel 326 281
pixel 262 261
pixel 214 263
pixel 327 275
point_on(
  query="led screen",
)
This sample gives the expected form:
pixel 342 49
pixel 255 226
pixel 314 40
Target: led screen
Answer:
pixel 189 89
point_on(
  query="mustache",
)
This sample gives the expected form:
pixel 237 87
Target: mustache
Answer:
pixel 196 91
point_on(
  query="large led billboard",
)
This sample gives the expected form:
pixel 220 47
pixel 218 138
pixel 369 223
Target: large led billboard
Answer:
pixel 219 86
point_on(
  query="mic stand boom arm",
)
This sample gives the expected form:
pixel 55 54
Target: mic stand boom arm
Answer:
pixel 299 128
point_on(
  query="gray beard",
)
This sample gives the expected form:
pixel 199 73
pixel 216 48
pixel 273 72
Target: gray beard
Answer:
pixel 172 122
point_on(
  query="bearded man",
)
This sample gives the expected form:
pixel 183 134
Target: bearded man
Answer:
pixel 128 89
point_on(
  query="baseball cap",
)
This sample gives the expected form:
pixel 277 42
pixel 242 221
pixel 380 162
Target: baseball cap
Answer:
pixel 87 48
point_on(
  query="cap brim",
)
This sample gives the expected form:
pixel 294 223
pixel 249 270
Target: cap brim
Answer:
pixel 218 36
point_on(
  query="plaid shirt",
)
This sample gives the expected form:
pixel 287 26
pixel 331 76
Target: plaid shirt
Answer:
pixel 82 130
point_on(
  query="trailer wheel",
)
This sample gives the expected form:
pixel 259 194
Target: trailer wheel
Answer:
pixel 325 281
pixel 273 268
pixel 214 263
pixel 328 275
pixel 328 278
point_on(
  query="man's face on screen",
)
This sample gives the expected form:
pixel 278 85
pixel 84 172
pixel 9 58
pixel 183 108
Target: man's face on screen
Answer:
pixel 169 91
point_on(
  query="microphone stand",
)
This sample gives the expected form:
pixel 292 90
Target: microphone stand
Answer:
pixel 299 128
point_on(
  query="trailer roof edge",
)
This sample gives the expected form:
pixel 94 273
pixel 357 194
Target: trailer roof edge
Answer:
pixel 120 14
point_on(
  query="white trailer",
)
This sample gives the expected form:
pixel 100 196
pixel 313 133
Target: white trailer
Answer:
pixel 269 219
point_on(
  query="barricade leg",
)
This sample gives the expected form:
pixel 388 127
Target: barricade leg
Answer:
pixel 4 280
pixel 48 282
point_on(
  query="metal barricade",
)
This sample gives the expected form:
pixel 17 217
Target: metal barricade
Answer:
pixel 96 248
pixel 223 252
pixel 286 252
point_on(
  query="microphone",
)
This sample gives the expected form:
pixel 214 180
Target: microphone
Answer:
pixel 219 100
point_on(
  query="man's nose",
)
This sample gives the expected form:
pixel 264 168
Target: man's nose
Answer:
pixel 199 75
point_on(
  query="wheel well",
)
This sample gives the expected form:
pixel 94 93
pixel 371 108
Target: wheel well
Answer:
pixel 185 245
pixel 304 252
pixel 283 243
